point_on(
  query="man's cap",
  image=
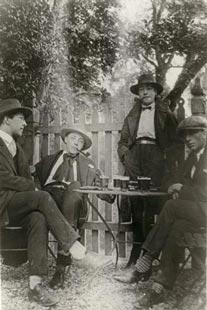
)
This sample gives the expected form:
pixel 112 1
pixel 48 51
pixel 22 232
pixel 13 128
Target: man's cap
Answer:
pixel 66 131
pixel 146 78
pixel 194 122
pixel 12 105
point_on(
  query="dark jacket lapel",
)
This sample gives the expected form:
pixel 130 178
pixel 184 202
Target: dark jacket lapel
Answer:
pixel 202 163
pixel 133 120
pixel 160 119
pixel 8 157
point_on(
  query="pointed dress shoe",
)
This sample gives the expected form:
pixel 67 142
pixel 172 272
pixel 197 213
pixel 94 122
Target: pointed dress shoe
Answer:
pixel 134 276
pixel 41 296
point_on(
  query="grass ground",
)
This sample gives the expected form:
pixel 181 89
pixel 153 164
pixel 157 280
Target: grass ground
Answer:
pixel 90 286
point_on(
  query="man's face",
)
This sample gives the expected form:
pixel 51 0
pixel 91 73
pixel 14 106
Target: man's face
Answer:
pixel 195 140
pixel 147 94
pixel 74 143
pixel 16 124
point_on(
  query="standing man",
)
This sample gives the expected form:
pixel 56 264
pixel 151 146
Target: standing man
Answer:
pixel 146 146
pixel 185 212
pixel 59 174
pixel 22 205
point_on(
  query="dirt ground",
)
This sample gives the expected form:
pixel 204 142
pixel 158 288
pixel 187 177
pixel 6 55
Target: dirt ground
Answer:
pixel 90 286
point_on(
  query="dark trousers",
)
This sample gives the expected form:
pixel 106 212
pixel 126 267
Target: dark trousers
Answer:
pixel 142 160
pixel 176 217
pixel 37 212
pixel 70 203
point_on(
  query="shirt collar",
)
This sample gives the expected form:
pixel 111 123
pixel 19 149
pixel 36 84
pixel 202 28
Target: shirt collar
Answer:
pixel 152 106
pixel 6 137
pixel 200 153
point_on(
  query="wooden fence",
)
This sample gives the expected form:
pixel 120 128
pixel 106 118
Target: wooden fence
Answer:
pixel 104 130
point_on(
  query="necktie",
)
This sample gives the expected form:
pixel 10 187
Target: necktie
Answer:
pixel 195 162
pixel 69 175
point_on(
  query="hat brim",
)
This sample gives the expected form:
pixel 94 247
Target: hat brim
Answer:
pixel 87 141
pixel 181 131
pixel 135 88
pixel 25 111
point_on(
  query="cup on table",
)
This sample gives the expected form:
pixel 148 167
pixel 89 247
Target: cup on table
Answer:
pixel 104 182
pixel 144 183
pixel 117 182
pixel 124 183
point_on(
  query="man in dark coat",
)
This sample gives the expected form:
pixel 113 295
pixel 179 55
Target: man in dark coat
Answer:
pixel 185 212
pixel 61 173
pixel 22 205
pixel 146 147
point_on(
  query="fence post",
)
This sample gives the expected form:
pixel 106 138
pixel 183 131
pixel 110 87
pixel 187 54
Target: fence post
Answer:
pixel 95 233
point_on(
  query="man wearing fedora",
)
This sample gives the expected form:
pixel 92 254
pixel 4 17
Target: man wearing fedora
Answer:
pixel 22 205
pixel 146 148
pixel 61 173
pixel 185 212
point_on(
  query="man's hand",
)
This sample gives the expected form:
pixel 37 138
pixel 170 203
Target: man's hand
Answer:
pixel 174 190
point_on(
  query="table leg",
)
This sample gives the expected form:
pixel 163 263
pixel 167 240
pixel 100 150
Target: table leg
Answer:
pixel 109 229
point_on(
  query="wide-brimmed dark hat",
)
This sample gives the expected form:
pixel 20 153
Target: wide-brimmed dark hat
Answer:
pixel 8 106
pixel 66 131
pixel 193 123
pixel 146 78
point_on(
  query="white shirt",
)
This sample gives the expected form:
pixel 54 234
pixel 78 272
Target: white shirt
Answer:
pixel 9 141
pixel 57 165
pixel 146 127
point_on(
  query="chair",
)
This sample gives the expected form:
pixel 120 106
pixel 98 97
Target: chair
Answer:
pixel 13 245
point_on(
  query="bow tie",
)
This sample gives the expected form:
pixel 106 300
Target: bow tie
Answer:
pixel 146 108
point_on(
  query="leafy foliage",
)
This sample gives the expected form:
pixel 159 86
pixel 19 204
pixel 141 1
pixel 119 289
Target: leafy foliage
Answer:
pixel 92 38
pixel 25 35
pixel 174 28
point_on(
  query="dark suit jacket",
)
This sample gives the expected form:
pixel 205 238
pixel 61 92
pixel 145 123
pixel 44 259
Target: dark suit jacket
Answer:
pixel 11 180
pixel 87 170
pixel 195 188
pixel 165 129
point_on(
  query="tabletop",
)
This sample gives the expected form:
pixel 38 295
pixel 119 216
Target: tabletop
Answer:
pixel 114 191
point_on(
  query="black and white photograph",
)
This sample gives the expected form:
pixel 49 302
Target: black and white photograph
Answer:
pixel 103 154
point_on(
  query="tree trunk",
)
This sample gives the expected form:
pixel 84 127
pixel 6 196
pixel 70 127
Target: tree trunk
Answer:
pixel 190 69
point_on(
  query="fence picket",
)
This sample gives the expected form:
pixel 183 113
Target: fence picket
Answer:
pixel 105 136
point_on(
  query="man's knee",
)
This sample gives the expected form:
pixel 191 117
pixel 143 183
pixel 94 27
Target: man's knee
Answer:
pixel 169 206
pixel 37 221
pixel 45 198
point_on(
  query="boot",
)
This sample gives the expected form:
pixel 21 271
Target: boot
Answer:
pixel 62 267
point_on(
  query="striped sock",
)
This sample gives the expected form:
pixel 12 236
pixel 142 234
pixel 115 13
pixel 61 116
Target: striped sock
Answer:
pixel 144 263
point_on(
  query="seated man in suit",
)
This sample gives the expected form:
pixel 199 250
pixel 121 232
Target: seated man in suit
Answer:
pixel 61 173
pixel 22 205
pixel 185 212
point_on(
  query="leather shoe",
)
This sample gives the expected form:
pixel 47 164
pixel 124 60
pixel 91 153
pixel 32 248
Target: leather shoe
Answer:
pixel 149 299
pixel 41 296
pixel 58 279
pixel 134 276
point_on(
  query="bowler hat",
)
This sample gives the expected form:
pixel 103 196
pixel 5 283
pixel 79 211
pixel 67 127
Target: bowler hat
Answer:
pixel 194 123
pixel 67 131
pixel 146 78
pixel 8 106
